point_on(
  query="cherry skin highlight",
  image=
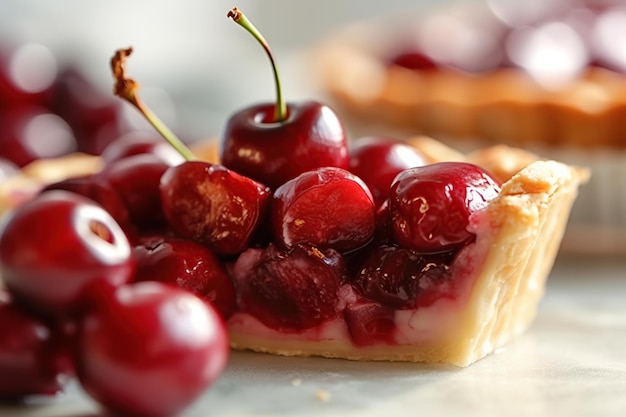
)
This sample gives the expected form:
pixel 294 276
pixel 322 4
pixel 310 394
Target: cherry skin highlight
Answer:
pixel 149 349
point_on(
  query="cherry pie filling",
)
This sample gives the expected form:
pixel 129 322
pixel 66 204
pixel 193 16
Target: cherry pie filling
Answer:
pixel 418 261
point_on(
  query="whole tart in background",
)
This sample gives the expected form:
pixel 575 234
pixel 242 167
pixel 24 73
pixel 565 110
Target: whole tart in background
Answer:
pixel 545 75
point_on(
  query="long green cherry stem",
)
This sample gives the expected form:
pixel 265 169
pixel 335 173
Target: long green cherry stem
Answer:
pixel 280 111
pixel 126 88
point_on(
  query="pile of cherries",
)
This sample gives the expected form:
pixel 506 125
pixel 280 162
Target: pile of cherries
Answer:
pixel 125 278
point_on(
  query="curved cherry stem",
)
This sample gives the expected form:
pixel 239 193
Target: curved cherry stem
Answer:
pixel 126 88
pixel 280 111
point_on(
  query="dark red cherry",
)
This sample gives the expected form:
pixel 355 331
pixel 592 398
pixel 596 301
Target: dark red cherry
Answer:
pixel 401 278
pixel 149 349
pixel 188 265
pixel 213 205
pixel 29 363
pixel 430 206
pixel 137 179
pixel 56 246
pixel 327 208
pixel 141 142
pixel 275 142
pixel 378 160
pixel 289 290
pixel 273 152
pixel 31 132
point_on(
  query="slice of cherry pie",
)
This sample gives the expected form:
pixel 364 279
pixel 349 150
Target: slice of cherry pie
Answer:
pixel 463 306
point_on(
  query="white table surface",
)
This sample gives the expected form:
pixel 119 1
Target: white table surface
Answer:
pixel 571 362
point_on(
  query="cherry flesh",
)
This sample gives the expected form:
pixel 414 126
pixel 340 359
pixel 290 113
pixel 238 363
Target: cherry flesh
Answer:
pixel 369 322
pixel 289 290
pixel 149 349
pixel 400 278
pixel 28 362
pixel 213 205
pixel 378 160
pixel 188 265
pixel 430 206
pixel 327 208
pixel 55 247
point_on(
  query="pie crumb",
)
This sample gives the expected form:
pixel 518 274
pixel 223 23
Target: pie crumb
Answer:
pixel 322 395
pixel 296 382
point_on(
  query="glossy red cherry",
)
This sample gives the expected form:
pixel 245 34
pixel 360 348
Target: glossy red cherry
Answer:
pixel 188 265
pixel 430 206
pixel 55 247
pixel 273 143
pixel 327 208
pixel 289 290
pixel 212 205
pixel 378 160
pixel 28 359
pixel 273 152
pixel 149 349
